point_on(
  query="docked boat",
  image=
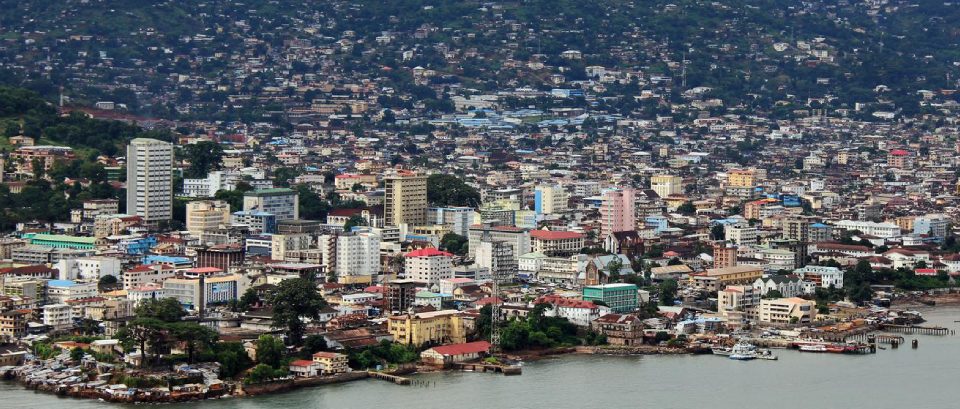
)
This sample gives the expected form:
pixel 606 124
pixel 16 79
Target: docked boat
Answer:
pixel 813 348
pixel 743 351
pixel 721 350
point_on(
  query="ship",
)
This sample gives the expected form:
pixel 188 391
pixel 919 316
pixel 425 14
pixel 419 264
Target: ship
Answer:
pixel 813 348
pixel 743 351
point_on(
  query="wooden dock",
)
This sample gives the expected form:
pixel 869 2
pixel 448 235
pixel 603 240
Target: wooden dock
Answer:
pixel 916 329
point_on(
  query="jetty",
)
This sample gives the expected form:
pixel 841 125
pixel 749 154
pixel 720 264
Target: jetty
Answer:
pixel 916 329
pixel 485 367
pixel 399 380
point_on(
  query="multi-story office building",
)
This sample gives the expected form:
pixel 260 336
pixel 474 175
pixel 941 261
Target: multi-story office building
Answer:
pixel 666 185
pixel 617 211
pixel 358 258
pixel 150 179
pixel 621 298
pixel 549 199
pixel 207 215
pixel 405 201
pixel 428 265
pixel 456 219
pixel 281 202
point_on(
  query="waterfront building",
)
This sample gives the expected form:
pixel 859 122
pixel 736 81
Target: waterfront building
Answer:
pixel 821 276
pixel 449 354
pixel 620 329
pixel 331 363
pixel 620 297
pixel 787 311
pixel 441 327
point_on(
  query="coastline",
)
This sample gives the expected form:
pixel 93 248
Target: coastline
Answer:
pixel 237 389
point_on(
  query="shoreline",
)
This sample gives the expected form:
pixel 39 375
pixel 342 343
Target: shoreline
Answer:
pixel 239 390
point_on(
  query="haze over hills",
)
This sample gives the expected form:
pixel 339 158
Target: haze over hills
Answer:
pixel 768 55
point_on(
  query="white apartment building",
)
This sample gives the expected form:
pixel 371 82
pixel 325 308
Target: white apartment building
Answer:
pixel 88 268
pixel 740 234
pixel 822 276
pixel 358 257
pixel 428 266
pixel 141 275
pixel 884 229
pixel 150 179
pixel 58 316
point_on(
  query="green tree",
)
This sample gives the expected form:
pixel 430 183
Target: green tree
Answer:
pixel 204 156
pixel 248 299
pixel 668 292
pixel 293 301
pixel 164 309
pixel 76 354
pixel 353 221
pixel 195 337
pixel 687 208
pixel 269 351
pixel 106 283
pixel 448 190
pixel 313 344
pixel 454 243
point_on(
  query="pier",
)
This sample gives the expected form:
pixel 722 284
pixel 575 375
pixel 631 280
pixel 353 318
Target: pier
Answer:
pixel 399 380
pixel 916 329
pixel 876 338
pixel 482 367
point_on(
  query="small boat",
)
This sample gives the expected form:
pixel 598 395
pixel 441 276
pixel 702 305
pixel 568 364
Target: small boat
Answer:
pixel 721 350
pixel 743 351
pixel 813 348
pixel 766 354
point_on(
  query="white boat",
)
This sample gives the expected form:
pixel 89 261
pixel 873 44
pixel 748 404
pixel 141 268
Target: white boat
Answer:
pixel 813 348
pixel 743 351
pixel 721 350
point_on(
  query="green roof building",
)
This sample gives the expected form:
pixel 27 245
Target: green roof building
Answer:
pixel 621 298
pixel 61 241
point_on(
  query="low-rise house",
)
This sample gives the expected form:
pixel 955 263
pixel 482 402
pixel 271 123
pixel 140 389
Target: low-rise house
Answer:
pixel 620 329
pixel 303 368
pixel 449 354
pixel 331 363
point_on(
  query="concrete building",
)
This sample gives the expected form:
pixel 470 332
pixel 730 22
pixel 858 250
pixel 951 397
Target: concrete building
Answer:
pixel 401 296
pixel 822 276
pixel 456 219
pixel 88 268
pixel 150 179
pixel 194 292
pixel 281 202
pixel 141 275
pixel 738 302
pixel 666 185
pixel 787 311
pixel 205 215
pixel 441 327
pixel 358 258
pixel 550 199
pixel 554 243
pixel 618 210
pixel 405 200
pixel 428 266
pixel 714 279
pixel 724 255
pixel 621 297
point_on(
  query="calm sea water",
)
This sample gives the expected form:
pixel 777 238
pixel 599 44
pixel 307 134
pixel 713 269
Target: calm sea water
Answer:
pixel 927 377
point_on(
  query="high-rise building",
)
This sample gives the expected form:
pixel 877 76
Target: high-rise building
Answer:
pixel 405 201
pixel 358 258
pixel 281 202
pixel 666 185
pixel 428 265
pixel 617 211
pixel 740 178
pixel 457 219
pixel 549 199
pixel 724 255
pixel 207 215
pixel 150 179
pixel 401 295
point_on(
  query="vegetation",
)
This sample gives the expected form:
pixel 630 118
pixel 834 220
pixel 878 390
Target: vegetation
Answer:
pixel 385 353
pixel 292 301
pixel 454 243
pixel 449 190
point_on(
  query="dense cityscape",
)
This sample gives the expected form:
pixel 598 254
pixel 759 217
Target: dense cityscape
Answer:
pixel 226 198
